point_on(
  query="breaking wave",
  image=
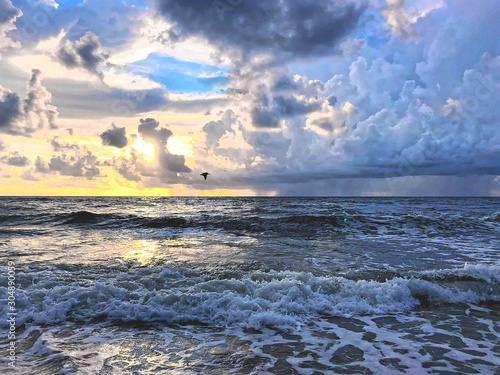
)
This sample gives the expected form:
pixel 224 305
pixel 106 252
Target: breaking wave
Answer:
pixel 283 300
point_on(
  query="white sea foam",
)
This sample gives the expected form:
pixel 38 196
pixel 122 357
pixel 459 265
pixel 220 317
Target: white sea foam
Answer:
pixel 277 299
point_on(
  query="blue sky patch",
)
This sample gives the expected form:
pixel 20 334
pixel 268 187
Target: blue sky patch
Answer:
pixel 181 76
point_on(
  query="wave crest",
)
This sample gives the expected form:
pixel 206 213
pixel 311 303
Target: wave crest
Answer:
pixel 282 300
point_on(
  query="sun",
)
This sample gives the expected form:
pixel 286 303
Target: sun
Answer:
pixel 146 149
pixel 179 145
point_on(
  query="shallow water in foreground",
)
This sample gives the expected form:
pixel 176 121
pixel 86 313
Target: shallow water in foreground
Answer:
pixel 253 285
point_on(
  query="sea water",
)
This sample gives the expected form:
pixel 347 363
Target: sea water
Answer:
pixel 251 285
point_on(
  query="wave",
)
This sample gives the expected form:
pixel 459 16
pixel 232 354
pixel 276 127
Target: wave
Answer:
pixel 4 218
pixel 284 300
pixel 494 217
pixel 82 217
pixel 269 223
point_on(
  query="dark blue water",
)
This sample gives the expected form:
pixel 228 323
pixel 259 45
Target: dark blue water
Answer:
pixel 217 285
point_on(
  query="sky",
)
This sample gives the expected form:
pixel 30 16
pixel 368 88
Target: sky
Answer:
pixel 296 97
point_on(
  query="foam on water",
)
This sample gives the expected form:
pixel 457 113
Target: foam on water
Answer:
pixel 284 300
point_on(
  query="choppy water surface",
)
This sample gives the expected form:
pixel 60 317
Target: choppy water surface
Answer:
pixel 253 285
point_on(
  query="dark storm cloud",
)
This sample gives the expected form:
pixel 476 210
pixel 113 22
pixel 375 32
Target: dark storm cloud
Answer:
pixel 263 118
pixel 292 107
pixel 285 83
pixel 16 160
pixel 10 108
pixel 402 186
pixel 281 107
pixel 300 27
pixel 115 137
pixel 84 53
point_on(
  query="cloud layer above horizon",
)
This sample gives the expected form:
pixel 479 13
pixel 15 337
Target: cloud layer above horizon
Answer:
pixel 328 97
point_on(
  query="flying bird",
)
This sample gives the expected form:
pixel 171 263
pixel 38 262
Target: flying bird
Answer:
pixel 205 174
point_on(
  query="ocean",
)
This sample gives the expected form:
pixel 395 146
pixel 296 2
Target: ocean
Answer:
pixel 312 286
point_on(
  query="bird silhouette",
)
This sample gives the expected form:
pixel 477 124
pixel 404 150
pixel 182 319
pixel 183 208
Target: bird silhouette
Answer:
pixel 205 174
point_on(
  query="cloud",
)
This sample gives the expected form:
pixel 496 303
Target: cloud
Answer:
pixel 409 97
pixel 61 146
pixel 35 112
pixel 10 109
pixel 38 110
pixel 297 28
pixel 8 16
pixel 215 130
pixel 414 110
pixel 27 175
pixel 75 166
pixel 392 128
pixel 269 144
pixel 332 100
pixel 41 166
pixel 263 118
pixel 113 22
pixel 81 100
pixel 115 137
pixel 78 100
pixel 396 15
pixel 85 53
pixel 164 166
pixel 174 163
pixel 281 108
pixel 16 160
pixel 150 131
pixel 128 168
pixel 273 95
